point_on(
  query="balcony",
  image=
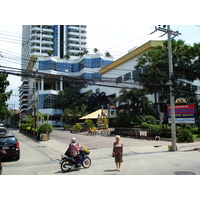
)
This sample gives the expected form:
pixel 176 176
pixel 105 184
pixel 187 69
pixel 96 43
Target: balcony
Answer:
pixel 47 42
pixel 74 39
pixel 47 48
pixel 35 28
pixel 47 36
pixel 73 51
pixel 47 30
pixel 35 47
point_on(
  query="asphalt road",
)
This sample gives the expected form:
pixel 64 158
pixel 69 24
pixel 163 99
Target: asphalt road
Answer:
pixel 141 157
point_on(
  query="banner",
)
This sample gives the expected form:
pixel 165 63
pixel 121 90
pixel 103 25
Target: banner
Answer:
pixel 182 111
pixel 184 114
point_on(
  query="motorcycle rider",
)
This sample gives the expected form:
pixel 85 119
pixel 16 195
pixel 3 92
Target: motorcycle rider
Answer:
pixel 75 149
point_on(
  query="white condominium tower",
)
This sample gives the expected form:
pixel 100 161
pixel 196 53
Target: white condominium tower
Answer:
pixel 56 40
pixel 59 41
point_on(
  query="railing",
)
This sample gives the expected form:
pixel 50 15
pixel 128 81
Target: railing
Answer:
pixel 133 132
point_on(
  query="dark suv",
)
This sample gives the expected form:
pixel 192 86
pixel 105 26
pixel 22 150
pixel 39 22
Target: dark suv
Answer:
pixel 10 144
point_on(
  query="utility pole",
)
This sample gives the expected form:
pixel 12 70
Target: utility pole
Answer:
pixel 34 109
pixel 171 75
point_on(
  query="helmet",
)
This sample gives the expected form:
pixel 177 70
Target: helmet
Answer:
pixel 73 140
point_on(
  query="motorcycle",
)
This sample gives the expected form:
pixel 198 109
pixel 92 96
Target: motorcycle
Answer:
pixel 68 163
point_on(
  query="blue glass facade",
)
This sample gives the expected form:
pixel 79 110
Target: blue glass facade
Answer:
pixel 55 40
pixel 49 101
pixel 73 67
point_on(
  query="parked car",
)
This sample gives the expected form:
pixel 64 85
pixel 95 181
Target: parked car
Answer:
pixel 10 144
pixel 3 130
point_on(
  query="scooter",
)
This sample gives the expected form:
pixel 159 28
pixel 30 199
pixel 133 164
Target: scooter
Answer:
pixel 68 163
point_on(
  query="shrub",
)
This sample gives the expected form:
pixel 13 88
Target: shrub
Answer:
pixel 165 133
pixel 149 119
pixel 45 127
pixel 185 135
pixel 89 124
pixel 127 121
pixel 194 130
pixel 155 130
pixel 144 125
pixel 77 127
pixel 67 126
pixel 24 127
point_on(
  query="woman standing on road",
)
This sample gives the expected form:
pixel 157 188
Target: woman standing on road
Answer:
pixel 118 152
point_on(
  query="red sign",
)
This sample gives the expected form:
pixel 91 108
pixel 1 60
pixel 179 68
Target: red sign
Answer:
pixel 182 110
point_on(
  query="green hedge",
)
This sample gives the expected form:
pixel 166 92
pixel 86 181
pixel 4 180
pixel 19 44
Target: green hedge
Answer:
pixel 45 128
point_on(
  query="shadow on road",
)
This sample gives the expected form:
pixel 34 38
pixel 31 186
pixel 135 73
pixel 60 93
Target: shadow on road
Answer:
pixel 110 170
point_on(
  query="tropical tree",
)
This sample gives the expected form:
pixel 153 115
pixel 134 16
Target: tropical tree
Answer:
pixel 95 50
pixel 154 65
pixel 107 54
pixel 85 51
pixel 71 97
pixel 134 102
pixel 67 57
pixel 72 115
pixel 49 53
pixel 4 96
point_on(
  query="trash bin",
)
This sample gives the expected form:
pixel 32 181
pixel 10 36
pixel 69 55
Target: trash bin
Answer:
pixel 44 137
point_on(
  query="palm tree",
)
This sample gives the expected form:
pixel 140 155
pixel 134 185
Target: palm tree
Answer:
pixel 154 63
pixel 107 54
pixel 49 53
pixel 67 57
pixel 134 101
pixel 71 115
pixel 123 100
pixel 95 50
pixel 85 51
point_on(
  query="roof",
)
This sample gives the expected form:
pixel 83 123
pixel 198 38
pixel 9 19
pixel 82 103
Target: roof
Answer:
pixel 94 115
pixel 132 54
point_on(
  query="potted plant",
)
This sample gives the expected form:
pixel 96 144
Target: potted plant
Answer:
pixel 67 127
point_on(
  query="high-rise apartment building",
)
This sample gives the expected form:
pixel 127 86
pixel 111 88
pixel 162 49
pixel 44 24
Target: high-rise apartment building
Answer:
pixel 57 40
pixel 53 51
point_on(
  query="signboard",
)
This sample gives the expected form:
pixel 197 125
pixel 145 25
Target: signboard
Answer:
pixel 183 113
pixel 183 120
pixel 112 113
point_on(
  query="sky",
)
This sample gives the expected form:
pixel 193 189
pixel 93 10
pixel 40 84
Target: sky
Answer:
pixel 118 40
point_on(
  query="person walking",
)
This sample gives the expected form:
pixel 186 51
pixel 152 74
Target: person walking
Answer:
pixel 2 151
pixel 118 152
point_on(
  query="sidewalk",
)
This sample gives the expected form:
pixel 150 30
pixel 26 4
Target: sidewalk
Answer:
pixel 181 147
pixel 141 157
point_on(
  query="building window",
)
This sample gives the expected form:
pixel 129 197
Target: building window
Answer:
pixel 136 74
pixel 50 101
pixel 119 79
pixel 127 76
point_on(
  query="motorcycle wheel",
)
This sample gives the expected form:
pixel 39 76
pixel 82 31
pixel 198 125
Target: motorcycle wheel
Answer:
pixel 87 163
pixel 62 166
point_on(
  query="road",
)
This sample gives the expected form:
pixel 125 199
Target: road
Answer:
pixel 141 157
pixel 35 158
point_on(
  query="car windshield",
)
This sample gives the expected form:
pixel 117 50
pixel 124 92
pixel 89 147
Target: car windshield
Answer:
pixel 6 139
pixel 2 130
